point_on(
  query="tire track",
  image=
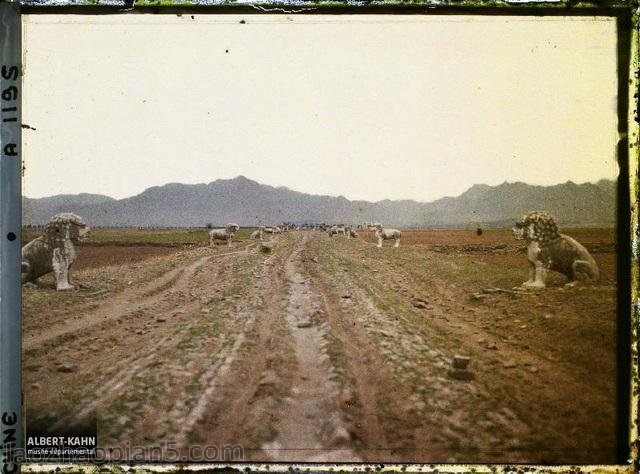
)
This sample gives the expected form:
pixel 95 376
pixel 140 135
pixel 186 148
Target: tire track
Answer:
pixel 248 395
pixel 381 406
pixel 141 364
pixel 183 362
pixel 130 300
pixel 496 417
pixel 314 428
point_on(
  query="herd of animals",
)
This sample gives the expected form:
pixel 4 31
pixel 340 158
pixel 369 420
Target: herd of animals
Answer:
pixel 546 248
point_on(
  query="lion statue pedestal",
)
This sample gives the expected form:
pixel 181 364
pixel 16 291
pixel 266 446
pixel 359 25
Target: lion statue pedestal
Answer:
pixel 548 249
pixel 54 251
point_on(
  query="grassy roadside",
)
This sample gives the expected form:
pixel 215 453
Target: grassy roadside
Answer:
pixel 132 236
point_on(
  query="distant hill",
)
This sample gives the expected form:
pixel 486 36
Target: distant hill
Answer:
pixel 571 203
pixel 40 210
pixel 249 203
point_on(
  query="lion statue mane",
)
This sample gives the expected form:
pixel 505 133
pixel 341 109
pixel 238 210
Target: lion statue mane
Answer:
pixel 54 251
pixel 548 249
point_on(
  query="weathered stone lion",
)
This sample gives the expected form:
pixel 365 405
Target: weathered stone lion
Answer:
pixel 54 251
pixel 386 234
pixel 257 234
pixel 336 230
pixel 548 249
pixel 350 232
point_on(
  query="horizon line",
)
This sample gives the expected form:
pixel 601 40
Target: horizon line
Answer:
pixel 614 180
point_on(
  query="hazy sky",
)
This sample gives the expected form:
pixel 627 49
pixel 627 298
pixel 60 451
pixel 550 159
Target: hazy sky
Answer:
pixel 369 107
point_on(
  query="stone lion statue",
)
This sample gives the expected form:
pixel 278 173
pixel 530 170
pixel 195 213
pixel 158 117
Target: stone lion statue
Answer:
pixel 257 234
pixel 386 234
pixel 548 249
pixel 225 234
pixel 54 251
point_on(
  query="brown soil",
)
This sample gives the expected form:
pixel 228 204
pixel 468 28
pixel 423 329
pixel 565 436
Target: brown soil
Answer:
pixel 329 349
pixel 93 256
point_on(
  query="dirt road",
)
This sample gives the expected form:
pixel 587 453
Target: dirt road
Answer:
pixel 328 349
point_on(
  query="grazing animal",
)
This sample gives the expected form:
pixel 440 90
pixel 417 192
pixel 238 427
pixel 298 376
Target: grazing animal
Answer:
pixel 386 234
pixel 54 251
pixel 548 249
pixel 223 234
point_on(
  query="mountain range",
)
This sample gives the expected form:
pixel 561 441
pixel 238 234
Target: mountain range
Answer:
pixel 250 203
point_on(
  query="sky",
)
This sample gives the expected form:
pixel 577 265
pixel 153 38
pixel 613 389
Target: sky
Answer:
pixel 368 107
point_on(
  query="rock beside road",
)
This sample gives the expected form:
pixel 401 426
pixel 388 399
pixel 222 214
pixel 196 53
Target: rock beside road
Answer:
pixel 420 303
pixel 66 368
pixel 460 362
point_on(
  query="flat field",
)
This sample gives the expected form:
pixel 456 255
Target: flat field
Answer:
pixel 328 349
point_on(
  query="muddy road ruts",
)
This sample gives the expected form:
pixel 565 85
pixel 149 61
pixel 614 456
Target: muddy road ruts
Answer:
pixel 312 426
pixel 499 414
pixel 116 369
pixel 317 352
pixel 287 403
